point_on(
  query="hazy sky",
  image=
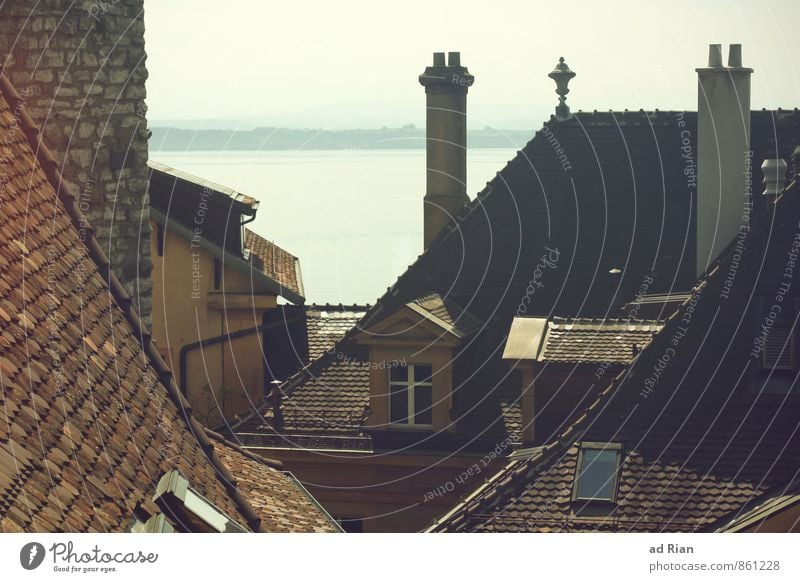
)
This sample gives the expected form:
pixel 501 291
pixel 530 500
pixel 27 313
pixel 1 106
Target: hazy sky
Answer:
pixel 304 63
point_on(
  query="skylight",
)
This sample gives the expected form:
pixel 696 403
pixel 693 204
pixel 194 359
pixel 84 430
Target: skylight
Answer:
pixel 598 465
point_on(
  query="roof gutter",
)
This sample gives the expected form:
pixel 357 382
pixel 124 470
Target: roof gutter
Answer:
pixel 204 343
pixel 227 258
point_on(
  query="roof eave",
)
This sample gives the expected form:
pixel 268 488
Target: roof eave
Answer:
pixel 228 258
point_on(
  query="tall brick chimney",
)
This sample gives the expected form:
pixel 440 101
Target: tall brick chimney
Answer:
pixel 723 152
pixel 446 88
pixel 80 68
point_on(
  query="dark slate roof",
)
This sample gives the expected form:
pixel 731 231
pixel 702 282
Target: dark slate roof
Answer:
pixel 90 418
pixel 614 341
pixel 541 239
pixel 699 441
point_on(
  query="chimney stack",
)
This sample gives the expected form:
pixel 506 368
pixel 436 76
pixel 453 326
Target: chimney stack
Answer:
pixel 723 152
pixel 446 88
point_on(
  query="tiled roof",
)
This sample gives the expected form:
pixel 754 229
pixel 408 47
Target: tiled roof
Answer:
pixel 539 240
pixel 751 516
pixel 333 399
pixel 448 312
pixel 327 324
pixel 699 441
pixel 281 502
pixel 594 340
pixel 178 200
pixel 274 262
pixel 674 478
pixel 302 334
pixel 581 340
pixel 207 184
pixel 90 417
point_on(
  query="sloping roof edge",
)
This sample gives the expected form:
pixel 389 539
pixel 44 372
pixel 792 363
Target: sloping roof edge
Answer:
pixel 247 201
pixel 457 516
pixel 760 509
pixel 50 167
pixel 438 321
pixel 227 258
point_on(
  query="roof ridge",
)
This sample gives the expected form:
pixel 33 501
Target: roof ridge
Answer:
pixel 343 306
pixel 200 181
pixel 487 190
pixel 610 320
pixel 49 166
pixel 572 433
pixel 273 463
pixel 470 207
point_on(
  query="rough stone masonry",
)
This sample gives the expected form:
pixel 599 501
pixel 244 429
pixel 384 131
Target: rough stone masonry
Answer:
pixel 81 68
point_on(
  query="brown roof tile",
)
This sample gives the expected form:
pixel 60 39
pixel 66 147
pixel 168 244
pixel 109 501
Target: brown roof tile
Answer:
pixel 91 418
pixel 596 340
pixel 301 334
pixel 280 500
pixel 274 262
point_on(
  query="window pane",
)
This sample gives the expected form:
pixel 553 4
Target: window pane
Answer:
pixel 398 404
pixel 423 399
pixel 597 474
pixel 422 373
pixel 398 374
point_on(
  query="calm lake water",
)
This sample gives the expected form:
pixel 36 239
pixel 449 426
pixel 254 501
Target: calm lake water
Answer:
pixel 353 217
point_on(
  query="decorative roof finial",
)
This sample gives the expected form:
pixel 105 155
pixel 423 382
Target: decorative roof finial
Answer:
pixel 562 75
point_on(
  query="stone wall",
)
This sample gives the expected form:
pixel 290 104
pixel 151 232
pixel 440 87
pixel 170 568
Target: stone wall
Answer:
pixel 82 73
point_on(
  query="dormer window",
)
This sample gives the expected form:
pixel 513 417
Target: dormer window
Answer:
pixel 598 468
pixel 411 395
pixel 411 355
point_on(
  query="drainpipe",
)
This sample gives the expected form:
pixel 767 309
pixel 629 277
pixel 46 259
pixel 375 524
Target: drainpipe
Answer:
pixel 204 343
pixel 277 396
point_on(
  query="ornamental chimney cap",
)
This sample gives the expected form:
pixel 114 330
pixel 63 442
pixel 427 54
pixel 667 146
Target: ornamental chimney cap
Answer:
pixel 562 75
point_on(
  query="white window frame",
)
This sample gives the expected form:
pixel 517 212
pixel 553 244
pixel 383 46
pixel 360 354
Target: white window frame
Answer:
pixel 410 386
pixel 174 496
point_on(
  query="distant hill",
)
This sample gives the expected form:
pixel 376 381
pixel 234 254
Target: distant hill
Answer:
pixel 275 138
